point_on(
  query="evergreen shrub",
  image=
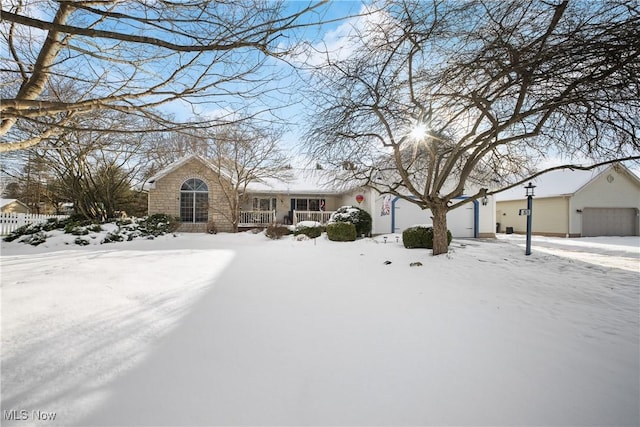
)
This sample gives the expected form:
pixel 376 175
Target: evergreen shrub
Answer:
pixel 341 231
pixel 356 216
pixel 310 231
pixel 158 224
pixel 276 231
pixel 420 236
pixel 35 239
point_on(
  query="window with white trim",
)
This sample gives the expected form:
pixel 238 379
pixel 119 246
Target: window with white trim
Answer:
pixel 194 201
pixel 264 204
pixel 310 205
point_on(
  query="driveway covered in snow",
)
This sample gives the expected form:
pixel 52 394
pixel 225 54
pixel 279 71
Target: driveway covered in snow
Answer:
pixel 242 330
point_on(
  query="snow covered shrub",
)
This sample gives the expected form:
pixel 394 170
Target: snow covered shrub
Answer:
pixel 113 237
pixel 158 224
pixel 31 229
pixel 18 232
pixel 52 224
pixel 356 216
pixel 420 236
pixel 35 239
pixel 341 231
pixel 80 241
pixel 276 231
pixel 310 229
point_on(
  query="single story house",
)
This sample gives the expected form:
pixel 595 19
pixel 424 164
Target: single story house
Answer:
pixel 13 206
pixel 191 190
pixel 576 203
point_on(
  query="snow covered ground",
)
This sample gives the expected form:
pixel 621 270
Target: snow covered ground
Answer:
pixel 242 330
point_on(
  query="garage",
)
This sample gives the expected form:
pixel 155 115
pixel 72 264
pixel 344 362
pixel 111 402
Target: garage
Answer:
pixel 461 221
pixel 609 222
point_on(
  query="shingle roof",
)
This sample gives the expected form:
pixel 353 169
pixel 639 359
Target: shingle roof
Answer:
pixel 563 182
pixel 300 181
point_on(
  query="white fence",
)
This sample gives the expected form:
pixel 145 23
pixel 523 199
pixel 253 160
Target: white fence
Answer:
pixel 12 221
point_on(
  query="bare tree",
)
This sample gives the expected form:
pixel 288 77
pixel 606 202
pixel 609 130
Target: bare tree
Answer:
pixel 96 171
pixel 437 97
pixel 137 55
pixel 244 154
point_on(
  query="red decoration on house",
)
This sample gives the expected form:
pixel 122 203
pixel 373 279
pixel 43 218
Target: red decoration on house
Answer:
pixel 359 198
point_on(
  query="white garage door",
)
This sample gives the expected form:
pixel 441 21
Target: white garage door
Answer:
pixel 609 222
pixel 459 221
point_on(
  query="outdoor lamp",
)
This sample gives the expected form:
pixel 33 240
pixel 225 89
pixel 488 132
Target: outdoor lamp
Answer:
pixel 529 193
pixel 529 188
pixel 484 201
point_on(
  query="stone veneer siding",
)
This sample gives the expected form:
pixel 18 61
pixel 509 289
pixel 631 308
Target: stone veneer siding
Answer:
pixel 165 197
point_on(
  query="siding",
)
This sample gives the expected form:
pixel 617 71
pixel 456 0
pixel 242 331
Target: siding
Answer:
pixel 550 216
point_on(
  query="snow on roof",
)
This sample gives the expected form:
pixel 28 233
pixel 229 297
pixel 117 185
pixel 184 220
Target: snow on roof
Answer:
pixel 5 202
pixel 300 181
pixel 562 182
pixel 150 183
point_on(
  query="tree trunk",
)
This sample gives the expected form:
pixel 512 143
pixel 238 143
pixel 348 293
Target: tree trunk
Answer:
pixel 440 240
pixel 235 217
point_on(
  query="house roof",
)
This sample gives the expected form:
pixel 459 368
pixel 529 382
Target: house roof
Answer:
pixel 150 183
pixel 5 202
pixel 300 181
pixel 562 182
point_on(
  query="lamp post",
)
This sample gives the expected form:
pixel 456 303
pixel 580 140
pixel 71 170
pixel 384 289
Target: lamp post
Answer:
pixel 529 193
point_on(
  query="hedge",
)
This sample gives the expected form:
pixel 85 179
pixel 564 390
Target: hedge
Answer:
pixel 341 231
pixel 420 236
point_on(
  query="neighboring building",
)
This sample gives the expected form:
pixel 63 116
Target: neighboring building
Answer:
pixel 13 206
pixel 190 189
pixel 602 202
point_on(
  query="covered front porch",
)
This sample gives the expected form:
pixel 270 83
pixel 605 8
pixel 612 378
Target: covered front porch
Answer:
pixel 252 219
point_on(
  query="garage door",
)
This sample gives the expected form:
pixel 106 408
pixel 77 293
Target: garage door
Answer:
pixel 609 222
pixel 460 221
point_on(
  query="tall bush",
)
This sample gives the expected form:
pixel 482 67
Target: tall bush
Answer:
pixel 356 216
pixel 341 231
pixel 420 236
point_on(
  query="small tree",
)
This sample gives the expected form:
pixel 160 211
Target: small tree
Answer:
pixel 244 154
pixel 95 171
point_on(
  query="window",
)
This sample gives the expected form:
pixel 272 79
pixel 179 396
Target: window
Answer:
pixel 309 205
pixel 264 204
pixel 194 201
pixel 301 204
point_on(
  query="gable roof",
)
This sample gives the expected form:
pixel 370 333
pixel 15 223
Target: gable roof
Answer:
pixel 150 183
pixel 5 202
pixel 299 181
pixel 563 182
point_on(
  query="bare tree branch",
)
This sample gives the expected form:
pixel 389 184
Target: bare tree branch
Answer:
pixel 500 87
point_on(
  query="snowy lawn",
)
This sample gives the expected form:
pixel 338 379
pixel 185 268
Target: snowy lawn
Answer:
pixel 242 330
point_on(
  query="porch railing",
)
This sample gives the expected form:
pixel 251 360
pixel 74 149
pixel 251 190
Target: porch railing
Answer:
pixel 257 218
pixel 265 218
pixel 319 216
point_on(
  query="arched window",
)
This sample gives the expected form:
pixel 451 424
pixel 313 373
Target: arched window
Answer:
pixel 194 201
